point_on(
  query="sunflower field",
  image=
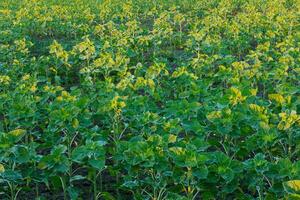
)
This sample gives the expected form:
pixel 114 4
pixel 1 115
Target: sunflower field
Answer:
pixel 150 99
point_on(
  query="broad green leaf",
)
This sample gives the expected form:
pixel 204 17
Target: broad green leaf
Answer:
pixel 97 164
pixel 73 193
pixel 200 172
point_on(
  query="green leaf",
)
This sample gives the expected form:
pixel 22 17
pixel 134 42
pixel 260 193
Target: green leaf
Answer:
pixel 79 153
pixel 107 196
pixel 200 172
pixel 130 184
pixel 73 193
pixel 293 197
pixel 76 178
pixel 16 135
pixel 226 173
pixel 97 164
pixel 11 175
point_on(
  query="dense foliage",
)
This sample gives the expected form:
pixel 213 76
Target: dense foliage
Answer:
pixel 160 100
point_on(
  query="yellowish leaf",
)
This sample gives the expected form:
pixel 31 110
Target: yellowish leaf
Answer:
pixel 294 184
pixel 2 169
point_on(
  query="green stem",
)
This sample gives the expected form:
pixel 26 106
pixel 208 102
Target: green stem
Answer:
pixel 95 184
pixel 37 191
pixel 100 181
pixel 12 191
pixel 63 184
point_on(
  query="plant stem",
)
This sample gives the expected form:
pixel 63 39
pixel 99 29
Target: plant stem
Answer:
pixel 95 184
pixel 63 184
